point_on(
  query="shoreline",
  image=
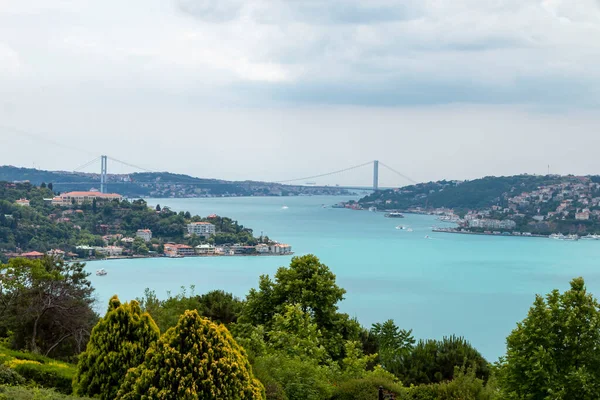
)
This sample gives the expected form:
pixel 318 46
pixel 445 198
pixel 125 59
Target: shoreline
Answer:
pixel 442 230
pixel 87 260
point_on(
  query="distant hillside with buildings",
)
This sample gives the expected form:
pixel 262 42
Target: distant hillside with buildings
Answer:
pixel 157 184
pixel 522 203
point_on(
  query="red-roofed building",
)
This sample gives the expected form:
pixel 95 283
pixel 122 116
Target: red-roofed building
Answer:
pixel 33 255
pixel 66 199
pixel 173 249
pixel 22 202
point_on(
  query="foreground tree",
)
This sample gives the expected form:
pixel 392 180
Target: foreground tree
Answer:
pixel 196 359
pixel 394 344
pixel 118 342
pixel 311 285
pixel 432 361
pixel 47 305
pixel 553 353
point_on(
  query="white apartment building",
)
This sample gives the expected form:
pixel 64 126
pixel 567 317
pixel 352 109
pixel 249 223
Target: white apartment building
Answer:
pixel 145 234
pixel 204 229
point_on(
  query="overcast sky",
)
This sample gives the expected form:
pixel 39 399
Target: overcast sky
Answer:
pixel 278 89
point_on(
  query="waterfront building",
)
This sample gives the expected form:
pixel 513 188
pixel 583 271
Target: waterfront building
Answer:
pixel 145 234
pixel 262 248
pixel 56 253
pixel 204 229
pixel 280 248
pixel 67 199
pixel 33 255
pixel 173 249
pixel 583 216
pixel 22 202
pixel 206 250
pixel 492 223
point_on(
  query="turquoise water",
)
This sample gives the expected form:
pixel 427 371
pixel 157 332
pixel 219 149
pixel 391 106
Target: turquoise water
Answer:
pixel 475 286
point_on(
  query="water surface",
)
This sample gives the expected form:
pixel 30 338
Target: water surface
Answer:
pixel 474 286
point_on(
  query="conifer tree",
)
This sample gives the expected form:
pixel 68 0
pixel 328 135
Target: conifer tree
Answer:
pixel 118 342
pixel 196 359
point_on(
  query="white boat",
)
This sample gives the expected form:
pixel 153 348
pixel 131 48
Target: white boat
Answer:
pixel 401 227
pixel 101 272
pixel 591 237
pixel 557 236
pixel 284 207
pixel 409 230
pixel 571 237
pixel 372 209
pixel 427 237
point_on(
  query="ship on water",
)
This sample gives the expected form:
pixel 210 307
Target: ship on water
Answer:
pixel 394 214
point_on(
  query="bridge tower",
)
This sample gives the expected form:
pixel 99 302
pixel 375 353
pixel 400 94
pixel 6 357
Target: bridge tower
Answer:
pixel 103 162
pixel 376 175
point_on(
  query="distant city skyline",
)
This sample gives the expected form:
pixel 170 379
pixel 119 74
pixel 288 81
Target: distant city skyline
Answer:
pixel 273 90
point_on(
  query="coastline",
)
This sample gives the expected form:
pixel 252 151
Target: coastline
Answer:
pixel 446 230
pixel 87 260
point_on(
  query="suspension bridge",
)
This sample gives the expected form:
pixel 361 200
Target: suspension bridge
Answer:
pixel 302 181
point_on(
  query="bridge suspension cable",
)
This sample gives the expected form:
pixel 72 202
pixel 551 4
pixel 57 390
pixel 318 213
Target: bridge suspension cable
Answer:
pixel 326 174
pixel 398 173
pixel 87 164
pixel 130 165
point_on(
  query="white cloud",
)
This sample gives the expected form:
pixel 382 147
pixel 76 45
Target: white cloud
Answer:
pixel 473 49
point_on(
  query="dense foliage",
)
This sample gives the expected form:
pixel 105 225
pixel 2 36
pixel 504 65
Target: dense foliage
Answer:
pixel 196 359
pixel 474 194
pixel 42 226
pixel 46 305
pixel 118 342
pixel 553 353
pixel 311 285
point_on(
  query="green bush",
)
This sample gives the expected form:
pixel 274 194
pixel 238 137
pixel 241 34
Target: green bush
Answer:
pixel 10 377
pixel 367 389
pixel 300 379
pixel 52 375
pixel 465 386
pixel 196 359
pixel 27 393
pixel 118 342
pixel 9 354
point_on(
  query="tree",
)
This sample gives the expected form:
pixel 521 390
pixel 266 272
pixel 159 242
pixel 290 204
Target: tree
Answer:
pixel 157 207
pixel 395 345
pixel 118 342
pixel 432 361
pixel 47 304
pixel 43 185
pixel 139 246
pixel 196 359
pixel 94 206
pixel 50 186
pixel 553 352
pixel 220 306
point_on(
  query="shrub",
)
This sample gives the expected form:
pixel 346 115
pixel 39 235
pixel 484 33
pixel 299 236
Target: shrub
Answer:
pixel 195 359
pixel 465 386
pixel 118 342
pixel 434 361
pixel 367 388
pixel 25 393
pixel 299 379
pixel 10 377
pixel 45 375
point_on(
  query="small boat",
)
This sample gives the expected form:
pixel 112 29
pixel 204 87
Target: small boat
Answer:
pixel 591 237
pixel 427 237
pixel 401 227
pixel 394 215
pixel 571 237
pixel 284 207
pixel 557 236
pixel 372 209
pixel 101 272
